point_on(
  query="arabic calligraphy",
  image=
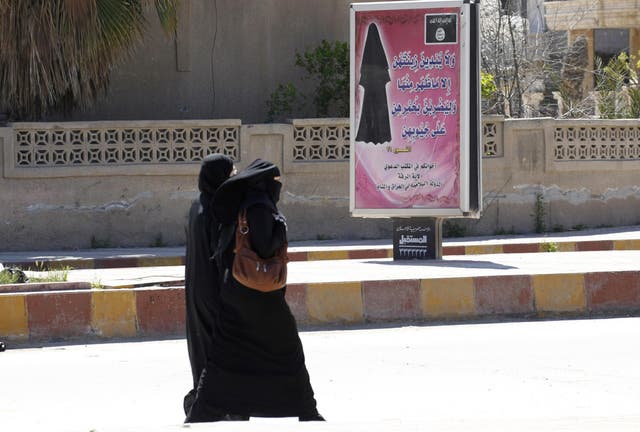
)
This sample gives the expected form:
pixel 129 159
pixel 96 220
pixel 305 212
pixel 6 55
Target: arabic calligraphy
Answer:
pixel 439 60
pixel 427 107
pixel 422 131
pixel 408 165
pixel 397 150
pixel 411 239
pixel 425 83
pixel 433 183
pixel 415 175
pixel 412 229
pixel 427 80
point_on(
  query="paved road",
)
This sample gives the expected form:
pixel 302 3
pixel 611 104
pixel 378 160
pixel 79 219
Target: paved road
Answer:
pixel 579 375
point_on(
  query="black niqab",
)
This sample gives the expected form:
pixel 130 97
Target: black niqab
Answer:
pixel 374 75
pixel 258 176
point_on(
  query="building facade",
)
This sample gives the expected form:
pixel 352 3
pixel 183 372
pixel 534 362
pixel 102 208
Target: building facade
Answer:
pixel 225 60
pixel 610 27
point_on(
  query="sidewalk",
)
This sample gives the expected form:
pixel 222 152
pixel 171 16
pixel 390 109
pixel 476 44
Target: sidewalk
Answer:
pixel 145 301
pixel 620 238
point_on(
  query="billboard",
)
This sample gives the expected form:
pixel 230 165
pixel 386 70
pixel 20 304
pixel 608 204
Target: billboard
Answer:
pixel 414 109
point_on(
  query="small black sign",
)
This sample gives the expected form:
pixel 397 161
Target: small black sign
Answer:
pixel 440 28
pixel 415 238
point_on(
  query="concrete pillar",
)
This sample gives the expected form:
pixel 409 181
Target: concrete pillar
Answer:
pixel 6 134
pixel 587 83
pixel 264 142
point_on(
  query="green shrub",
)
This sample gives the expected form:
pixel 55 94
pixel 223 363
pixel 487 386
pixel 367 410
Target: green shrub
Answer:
pixel 452 229
pixel 9 276
pixel 285 100
pixel 618 88
pixel 97 243
pixel 539 213
pixel 158 241
pixel 327 66
pixel 488 86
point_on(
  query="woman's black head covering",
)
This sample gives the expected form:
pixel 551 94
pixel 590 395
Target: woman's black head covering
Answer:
pixel 215 169
pixel 257 178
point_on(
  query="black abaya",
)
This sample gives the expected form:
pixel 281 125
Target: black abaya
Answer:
pixel 202 281
pixel 258 366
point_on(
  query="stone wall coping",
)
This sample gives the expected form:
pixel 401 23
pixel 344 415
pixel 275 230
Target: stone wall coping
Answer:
pixel 124 123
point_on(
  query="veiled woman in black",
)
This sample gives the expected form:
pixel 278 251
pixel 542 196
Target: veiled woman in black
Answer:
pixel 257 367
pixel 374 75
pixel 202 281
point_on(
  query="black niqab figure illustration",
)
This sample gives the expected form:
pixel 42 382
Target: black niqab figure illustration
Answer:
pixel 374 76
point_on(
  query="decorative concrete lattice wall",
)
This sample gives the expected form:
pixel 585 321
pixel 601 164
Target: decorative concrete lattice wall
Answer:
pixel 52 146
pixel 596 143
pixel 321 141
pixel 328 139
pixel 492 142
pixel 105 144
pixel 49 145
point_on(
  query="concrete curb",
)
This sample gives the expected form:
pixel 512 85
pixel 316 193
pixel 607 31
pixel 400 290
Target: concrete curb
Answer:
pixel 160 312
pixel 98 263
pixel 44 286
pixel 344 252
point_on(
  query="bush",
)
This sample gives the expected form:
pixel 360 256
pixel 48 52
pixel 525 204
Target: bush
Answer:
pixel 488 87
pixel 618 88
pixel 327 65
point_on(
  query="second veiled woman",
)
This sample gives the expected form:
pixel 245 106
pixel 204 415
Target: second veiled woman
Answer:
pixel 201 274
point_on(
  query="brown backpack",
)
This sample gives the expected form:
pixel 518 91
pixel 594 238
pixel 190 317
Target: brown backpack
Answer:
pixel 252 271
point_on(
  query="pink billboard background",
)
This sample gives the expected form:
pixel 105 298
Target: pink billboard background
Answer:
pixel 419 166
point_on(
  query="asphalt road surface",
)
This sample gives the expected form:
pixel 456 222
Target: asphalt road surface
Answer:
pixel 573 375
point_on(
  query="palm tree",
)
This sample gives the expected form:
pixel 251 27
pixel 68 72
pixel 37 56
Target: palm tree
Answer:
pixel 56 55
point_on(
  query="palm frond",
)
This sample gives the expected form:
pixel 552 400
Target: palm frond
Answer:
pixel 167 14
pixel 56 55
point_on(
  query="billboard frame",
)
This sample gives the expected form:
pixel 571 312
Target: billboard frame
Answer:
pixel 470 194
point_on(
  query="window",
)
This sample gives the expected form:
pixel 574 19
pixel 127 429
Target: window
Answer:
pixel 514 7
pixel 608 43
